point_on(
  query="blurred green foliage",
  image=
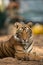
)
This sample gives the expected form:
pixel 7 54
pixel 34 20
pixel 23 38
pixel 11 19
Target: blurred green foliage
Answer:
pixel 2 18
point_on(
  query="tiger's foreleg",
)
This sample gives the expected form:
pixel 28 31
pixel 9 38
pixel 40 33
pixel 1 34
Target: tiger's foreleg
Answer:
pixel 28 57
pixel 6 49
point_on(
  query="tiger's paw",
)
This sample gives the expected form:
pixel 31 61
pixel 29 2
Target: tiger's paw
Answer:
pixel 23 58
pixel 35 57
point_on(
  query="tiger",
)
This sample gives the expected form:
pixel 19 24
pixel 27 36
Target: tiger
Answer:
pixel 24 42
pixel 20 43
pixel 25 38
pixel 24 35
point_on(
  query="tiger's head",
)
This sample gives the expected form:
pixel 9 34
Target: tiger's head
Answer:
pixel 24 36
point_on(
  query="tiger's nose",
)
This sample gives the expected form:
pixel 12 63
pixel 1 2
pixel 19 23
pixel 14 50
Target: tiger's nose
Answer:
pixel 25 40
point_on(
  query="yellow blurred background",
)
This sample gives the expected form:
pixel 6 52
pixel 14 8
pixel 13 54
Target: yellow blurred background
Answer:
pixel 37 29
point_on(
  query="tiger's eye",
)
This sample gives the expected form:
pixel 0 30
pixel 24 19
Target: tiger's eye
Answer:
pixel 20 29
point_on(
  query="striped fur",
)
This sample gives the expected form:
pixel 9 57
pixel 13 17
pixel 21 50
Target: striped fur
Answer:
pixel 22 43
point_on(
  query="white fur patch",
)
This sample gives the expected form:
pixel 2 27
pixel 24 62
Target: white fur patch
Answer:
pixel 27 51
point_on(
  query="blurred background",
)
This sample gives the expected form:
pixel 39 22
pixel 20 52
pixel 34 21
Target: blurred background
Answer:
pixel 12 11
pixel 31 10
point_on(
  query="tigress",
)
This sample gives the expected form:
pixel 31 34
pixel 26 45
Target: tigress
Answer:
pixel 24 35
pixel 25 38
pixel 6 47
pixel 20 42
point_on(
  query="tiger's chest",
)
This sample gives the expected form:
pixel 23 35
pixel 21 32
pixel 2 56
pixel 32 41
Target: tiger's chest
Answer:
pixel 20 51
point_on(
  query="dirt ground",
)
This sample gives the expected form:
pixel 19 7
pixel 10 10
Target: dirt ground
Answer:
pixel 38 46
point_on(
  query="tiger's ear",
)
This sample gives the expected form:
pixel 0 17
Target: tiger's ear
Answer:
pixel 17 24
pixel 30 24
